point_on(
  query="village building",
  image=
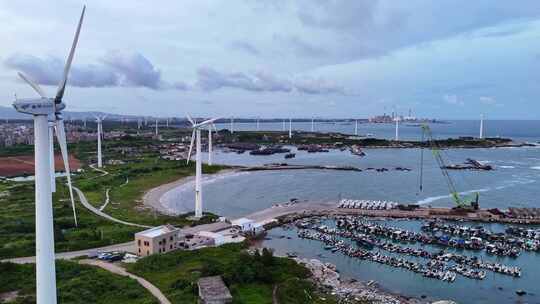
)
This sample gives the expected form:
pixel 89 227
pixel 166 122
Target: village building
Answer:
pixel 159 239
pixel 212 290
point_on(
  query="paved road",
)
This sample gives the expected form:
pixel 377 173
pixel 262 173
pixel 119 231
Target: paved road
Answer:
pixel 121 271
pixel 84 201
pixel 129 247
pixel 264 216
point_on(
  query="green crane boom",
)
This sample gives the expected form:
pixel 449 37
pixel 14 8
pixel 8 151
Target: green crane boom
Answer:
pixel 461 203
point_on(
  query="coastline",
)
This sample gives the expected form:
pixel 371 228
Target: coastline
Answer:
pixel 152 198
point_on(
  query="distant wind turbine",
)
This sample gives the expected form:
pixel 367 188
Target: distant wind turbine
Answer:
pixel 481 126
pixel 290 127
pixel 196 136
pixel 99 120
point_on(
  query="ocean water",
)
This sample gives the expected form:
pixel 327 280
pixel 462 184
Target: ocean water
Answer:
pixel 514 182
pixel 521 130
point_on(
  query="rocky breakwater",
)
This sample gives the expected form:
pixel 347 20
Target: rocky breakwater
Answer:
pixel 326 276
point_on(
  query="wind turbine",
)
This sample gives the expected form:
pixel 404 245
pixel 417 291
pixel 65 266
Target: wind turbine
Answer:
pixel 312 124
pixel 84 122
pixel 481 126
pixel 99 121
pixel 210 127
pixel 157 130
pixel 356 127
pixel 196 135
pixel 397 128
pixel 52 124
pixel 258 123
pixel 290 127
pixel 232 124
pixel 41 109
pixel 283 125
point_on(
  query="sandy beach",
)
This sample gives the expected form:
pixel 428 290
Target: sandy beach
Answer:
pixel 152 198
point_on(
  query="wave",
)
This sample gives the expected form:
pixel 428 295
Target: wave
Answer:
pixel 506 167
pixel 536 167
pixel 440 197
pixel 519 180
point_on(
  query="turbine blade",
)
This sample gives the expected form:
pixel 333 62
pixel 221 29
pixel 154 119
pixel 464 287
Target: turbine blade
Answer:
pixel 190 119
pixel 62 85
pixel 33 84
pixel 191 146
pixel 61 133
pixel 207 122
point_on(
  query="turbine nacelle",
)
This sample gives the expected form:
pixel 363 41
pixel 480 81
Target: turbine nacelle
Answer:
pixel 38 106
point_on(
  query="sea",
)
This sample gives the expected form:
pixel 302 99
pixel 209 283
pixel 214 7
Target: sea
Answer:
pixel 514 182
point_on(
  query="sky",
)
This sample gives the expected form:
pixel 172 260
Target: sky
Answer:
pixel 448 59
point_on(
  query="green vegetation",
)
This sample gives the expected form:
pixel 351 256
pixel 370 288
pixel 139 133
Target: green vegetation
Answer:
pixel 339 139
pixel 142 167
pixel 76 284
pixel 250 277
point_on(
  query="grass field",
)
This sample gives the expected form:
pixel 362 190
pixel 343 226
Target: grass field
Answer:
pixel 251 278
pixel 144 170
pixel 78 284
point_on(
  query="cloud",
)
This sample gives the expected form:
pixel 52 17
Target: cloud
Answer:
pixel 133 69
pixel 114 69
pixel 210 79
pixel 310 85
pixel 374 28
pixel 453 100
pixel 48 71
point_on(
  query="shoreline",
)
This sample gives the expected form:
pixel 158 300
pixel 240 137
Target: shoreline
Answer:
pixel 152 197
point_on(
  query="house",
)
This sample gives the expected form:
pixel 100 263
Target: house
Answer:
pixel 248 226
pixel 216 239
pixel 212 290
pixel 244 224
pixel 159 239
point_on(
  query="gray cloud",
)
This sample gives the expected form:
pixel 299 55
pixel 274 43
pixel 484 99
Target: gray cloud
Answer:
pixel 210 79
pixel 115 69
pixel 261 81
pixel 133 69
pixel 310 85
pixel 355 29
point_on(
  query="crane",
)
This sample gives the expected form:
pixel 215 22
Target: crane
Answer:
pixel 461 203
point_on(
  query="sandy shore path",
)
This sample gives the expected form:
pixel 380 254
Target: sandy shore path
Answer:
pixel 152 197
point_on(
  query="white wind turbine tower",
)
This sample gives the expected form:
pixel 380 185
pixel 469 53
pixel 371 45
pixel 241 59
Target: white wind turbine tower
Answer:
pixel 99 121
pixel 481 126
pixel 312 124
pixel 258 123
pixel 42 109
pixel 283 126
pixel 51 153
pixel 356 127
pixel 232 124
pixel 210 127
pixel 196 135
pixel 84 122
pixel 157 130
pixel 397 119
pixel 139 122
pixel 290 127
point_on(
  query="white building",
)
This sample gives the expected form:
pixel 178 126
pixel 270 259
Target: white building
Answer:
pixel 244 224
pixel 248 226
